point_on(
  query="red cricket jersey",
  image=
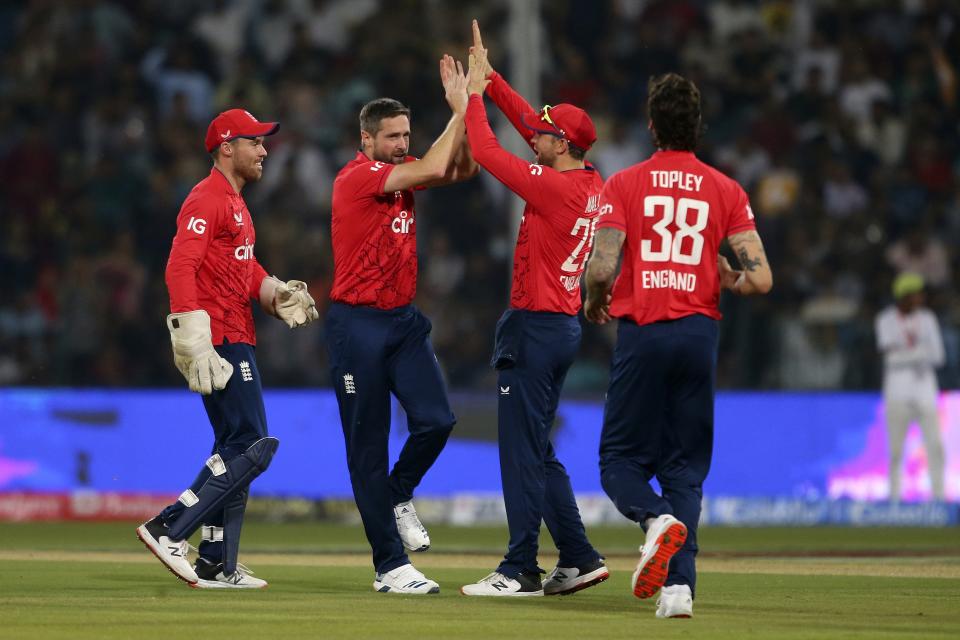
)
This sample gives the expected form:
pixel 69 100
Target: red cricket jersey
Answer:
pixel 675 211
pixel 373 236
pixel 556 231
pixel 211 264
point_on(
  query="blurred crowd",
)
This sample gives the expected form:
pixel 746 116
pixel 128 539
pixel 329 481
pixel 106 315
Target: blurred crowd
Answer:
pixel 839 117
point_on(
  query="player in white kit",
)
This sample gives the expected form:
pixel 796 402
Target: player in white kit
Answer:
pixel 909 338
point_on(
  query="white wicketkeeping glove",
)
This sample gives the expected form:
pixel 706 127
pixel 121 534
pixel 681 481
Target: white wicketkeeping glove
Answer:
pixel 193 352
pixel 290 301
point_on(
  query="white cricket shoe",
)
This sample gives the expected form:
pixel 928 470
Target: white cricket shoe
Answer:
pixel 210 576
pixel 172 553
pixel 412 532
pixel 675 601
pixel 497 584
pixel 405 579
pixel 664 538
pixel 566 580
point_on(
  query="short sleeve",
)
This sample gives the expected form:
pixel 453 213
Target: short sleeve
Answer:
pixel 366 179
pixel 741 215
pixel 612 210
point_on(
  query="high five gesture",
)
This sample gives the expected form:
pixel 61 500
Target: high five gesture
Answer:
pixel 480 69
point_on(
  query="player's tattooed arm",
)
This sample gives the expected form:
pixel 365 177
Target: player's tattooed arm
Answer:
pixel 600 274
pixel 756 277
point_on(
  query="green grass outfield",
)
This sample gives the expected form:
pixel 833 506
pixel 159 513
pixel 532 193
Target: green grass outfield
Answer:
pixel 97 581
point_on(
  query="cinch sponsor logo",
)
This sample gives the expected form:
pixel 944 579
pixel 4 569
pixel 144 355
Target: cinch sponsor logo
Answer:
pixel 243 252
pixel 402 223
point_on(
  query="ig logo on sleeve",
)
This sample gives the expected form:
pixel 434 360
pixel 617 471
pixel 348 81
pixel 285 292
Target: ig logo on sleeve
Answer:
pixel 197 225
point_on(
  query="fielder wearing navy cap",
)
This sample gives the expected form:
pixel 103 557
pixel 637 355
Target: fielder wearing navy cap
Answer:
pixel 237 123
pixel 565 121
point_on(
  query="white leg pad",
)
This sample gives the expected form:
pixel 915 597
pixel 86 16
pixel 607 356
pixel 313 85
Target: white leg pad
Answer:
pixel 216 465
pixel 211 533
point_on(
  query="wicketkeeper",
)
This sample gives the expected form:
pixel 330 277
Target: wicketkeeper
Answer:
pixel 212 276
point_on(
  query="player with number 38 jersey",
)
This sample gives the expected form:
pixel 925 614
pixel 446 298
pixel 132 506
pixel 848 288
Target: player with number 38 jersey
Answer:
pixel 680 209
pixel 667 216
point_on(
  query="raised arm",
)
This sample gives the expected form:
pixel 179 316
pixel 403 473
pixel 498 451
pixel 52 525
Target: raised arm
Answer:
pixel 534 183
pixel 510 103
pixel 463 166
pixel 756 277
pixel 435 164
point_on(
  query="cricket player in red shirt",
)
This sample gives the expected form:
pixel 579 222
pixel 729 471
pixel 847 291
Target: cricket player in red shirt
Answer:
pixel 379 343
pixel 212 275
pixel 538 336
pixel 668 215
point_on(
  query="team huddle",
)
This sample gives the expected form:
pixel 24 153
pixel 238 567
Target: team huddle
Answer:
pixel 662 221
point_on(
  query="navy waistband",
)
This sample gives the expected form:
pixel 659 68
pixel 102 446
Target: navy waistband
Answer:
pixel 374 311
pixel 695 324
pixel 543 314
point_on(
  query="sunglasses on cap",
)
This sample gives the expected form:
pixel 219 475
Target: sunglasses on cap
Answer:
pixel 545 116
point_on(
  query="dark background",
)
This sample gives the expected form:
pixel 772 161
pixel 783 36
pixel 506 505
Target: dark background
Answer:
pixel 839 118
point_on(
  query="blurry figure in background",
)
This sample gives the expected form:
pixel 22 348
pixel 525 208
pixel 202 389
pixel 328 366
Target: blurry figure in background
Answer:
pixel 909 338
pixel 213 275
pixel 921 252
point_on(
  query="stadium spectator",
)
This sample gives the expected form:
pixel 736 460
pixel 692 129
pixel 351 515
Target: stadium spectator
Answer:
pixel 102 103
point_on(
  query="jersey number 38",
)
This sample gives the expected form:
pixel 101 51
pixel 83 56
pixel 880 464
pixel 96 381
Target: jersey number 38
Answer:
pixel 670 246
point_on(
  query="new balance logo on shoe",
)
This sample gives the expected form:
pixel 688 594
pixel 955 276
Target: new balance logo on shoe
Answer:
pixel 348 385
pixel 245 371
pixel 175 551
pixel 498 585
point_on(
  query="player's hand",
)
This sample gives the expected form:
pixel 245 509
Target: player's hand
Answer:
pixel 454 84
pixel 596 311
pixel 294 304
pixel 290 301
pixel 193 352
pixel 480 61
pixel 478 83
pixel 729 277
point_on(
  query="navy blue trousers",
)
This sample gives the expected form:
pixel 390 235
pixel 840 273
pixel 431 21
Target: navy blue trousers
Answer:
pixel 658 421
pixel 532 354
pixel 374 353
pixel 238 419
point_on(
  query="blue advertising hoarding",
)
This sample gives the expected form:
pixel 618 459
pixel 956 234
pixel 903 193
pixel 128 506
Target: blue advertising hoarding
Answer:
pixel 777 445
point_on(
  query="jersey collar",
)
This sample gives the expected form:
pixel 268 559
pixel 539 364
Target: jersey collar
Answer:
pixel 217 176
pixel 673 153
